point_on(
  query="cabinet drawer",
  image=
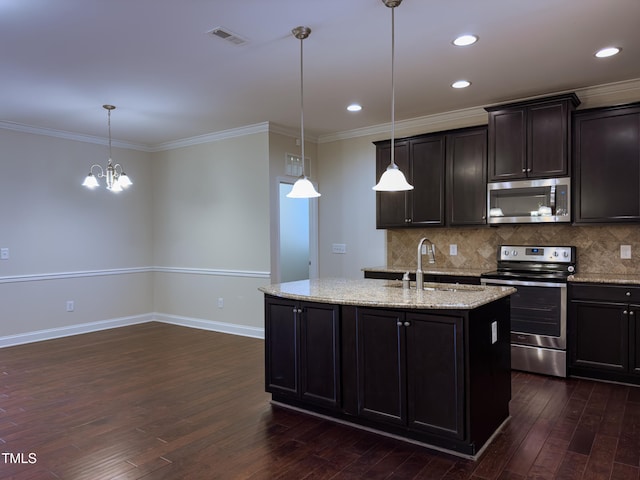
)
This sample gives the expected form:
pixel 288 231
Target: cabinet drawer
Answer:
pixel 605 293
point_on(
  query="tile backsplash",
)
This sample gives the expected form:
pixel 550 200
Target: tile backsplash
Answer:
pixel 598 247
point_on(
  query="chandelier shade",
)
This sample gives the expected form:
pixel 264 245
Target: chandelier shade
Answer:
pixel 116 179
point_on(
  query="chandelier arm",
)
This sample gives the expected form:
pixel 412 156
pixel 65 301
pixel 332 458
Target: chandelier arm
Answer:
pixel 99 175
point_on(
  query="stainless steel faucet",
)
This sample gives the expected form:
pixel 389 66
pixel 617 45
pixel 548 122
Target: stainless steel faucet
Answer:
pixel 431 251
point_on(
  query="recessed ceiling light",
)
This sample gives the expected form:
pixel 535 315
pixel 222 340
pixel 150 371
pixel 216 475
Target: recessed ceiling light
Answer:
pixel 464 40
pixel 461 84
pixel 354 107
pixel 607 52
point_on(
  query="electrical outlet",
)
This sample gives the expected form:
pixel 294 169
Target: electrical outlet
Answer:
pixel 71 306
pixel 453 249
pixel 4 253
pixel 339 248
pixel 625 251
pixel 220 302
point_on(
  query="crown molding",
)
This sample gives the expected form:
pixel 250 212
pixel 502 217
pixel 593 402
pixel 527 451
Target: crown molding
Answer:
pixel 78 137
pixel 477 115
pixel 471 116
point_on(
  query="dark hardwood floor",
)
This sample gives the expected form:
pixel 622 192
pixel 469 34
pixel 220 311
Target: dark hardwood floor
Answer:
pixel 157 401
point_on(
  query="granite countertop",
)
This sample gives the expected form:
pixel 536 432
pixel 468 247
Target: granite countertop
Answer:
pixel 612 278
pixel 388 293
pixel 429 269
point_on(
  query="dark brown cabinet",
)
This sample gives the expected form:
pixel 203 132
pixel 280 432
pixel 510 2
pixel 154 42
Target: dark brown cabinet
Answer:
pixel 530 139
pixel 448 173
pixel 302 351
pixel 441 377
pixel 604 338
pixel 393 386
pixel 466 176
pixel 421 159
pixel 607 165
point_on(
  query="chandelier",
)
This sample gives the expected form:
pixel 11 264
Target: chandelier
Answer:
pixel 115 178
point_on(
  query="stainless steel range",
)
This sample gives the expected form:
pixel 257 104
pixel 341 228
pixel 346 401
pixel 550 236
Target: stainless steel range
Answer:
pixel 539 308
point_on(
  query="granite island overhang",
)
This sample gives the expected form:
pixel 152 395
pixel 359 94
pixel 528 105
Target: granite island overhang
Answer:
pixel 428 366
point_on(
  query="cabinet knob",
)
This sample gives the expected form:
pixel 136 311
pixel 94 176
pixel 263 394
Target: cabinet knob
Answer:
pixel 524 170
pixel 625 312
pixel 528 169
pixel 628 294
pixel 399 324
pixel 631 312
pixel 406 324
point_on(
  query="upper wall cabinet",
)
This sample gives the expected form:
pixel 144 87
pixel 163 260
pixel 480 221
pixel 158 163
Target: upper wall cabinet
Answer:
pixel 422 161
pixel 530 139
pixel 446 169
pixel 607 164
pixel 467 176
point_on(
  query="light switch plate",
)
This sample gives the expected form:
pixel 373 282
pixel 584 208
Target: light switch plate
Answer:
pixel 453 250
pixel 625 251
pixel 4 254
pixel 339 248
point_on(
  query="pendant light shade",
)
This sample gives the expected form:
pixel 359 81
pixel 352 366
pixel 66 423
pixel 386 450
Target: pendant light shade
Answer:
pixel 392 180
pixel 115 178
pixel 303 188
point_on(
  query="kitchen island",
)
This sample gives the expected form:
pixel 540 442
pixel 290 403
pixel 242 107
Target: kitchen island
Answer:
pixel 430 366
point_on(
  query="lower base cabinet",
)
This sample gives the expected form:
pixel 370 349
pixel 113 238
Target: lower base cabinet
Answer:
pixel 302 351
pixel 393 386
pixel 441 377
pixel 604 332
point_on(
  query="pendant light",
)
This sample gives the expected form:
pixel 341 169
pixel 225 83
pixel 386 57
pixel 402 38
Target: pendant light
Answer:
pixel 115 178
pixel 303 188
pixel 392 180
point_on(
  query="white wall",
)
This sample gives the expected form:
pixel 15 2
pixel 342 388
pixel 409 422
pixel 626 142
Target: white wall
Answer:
pixel 66 241
pixel 211 231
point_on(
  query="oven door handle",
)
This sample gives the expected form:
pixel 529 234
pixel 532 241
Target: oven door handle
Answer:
pixel 524 283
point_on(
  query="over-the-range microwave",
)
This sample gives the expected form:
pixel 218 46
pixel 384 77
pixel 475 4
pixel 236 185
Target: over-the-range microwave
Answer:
pixel 530 201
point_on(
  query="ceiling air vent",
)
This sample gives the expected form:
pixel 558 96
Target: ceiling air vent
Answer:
pixel 227 35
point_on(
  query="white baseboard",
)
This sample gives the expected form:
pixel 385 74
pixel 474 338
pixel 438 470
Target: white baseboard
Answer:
pixel 51 333
pixel 234 329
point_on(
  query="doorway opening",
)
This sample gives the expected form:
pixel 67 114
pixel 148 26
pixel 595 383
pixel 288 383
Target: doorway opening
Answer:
pixel 298 246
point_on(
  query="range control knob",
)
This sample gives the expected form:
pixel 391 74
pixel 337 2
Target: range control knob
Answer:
pixel 515 253
pixel 506 253
pixel 565 254
pixel 571 269
pixel 555 254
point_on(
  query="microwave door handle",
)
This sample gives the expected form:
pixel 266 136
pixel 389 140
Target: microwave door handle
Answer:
pixel 552 197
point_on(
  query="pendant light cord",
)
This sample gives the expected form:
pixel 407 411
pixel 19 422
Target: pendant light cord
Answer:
pixel 393 89
pixel 302 106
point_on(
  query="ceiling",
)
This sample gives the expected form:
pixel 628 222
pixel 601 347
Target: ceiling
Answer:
pixel 170 80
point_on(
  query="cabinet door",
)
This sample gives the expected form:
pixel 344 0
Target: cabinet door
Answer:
pixel 467 177
pixel 607 165
pixel 391 207
pixel 435 395
pixel 426 200
pixel 281 346
pixel 507 144
pixel 381 367
pixel 320 354
pixel 634 336
pixel 547 147
pixel 600 338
